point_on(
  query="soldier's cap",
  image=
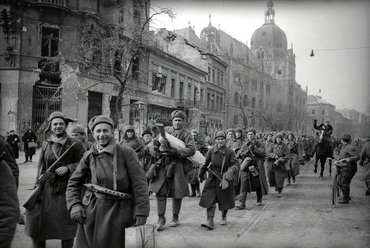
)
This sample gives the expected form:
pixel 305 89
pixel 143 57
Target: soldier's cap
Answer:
pixel 194 131
pixel 58 114
pixel 230 130
pixel 279 135
pixel 130 128
pixel 100 119
pixel 220 134
pixel 147 131
pixel 326 121
pixel 251 130
pixel 78 129
pixel 346 137
pixel 178 114
pixel 239 129
pixel 291 134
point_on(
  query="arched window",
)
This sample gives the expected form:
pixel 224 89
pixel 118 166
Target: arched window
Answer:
pixel 236 98
pixel 253 102
pixel 245 101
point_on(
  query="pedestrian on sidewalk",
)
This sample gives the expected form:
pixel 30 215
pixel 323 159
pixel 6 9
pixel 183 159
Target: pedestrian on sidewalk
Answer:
pixel 252 170
pixel 13 141
pixel 348 169
pixel 278 156
pixel 294 162
pixel 29 136
pixel 102 217
pixel 222 161
pixel 170 174
pixel 50 218
pixel 365 163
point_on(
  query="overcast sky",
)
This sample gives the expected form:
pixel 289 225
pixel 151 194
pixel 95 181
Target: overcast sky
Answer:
pixel 338 31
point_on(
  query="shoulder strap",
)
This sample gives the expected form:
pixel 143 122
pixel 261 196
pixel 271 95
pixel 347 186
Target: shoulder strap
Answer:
pixel 115 154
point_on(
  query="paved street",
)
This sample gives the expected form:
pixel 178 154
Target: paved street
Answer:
pixel 303 217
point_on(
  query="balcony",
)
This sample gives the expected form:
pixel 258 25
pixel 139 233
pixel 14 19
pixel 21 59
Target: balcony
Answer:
pixel 51 3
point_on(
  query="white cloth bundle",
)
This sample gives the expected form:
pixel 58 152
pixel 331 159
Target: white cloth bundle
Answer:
pixel 197 159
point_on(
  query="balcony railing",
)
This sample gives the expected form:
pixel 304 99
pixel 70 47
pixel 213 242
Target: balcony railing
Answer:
pixel 61 3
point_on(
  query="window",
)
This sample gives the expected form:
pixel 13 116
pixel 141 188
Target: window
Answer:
pixel 261 103
pixel 208 100
pixel 254 84
pixel 213 75
pixel 313 111
pixel 323 112
pixel 181 90
pixel 218 77
pixel 201 96
pixel 278 107
pixel 135 68
pixel 189 89
pixel 236 98
pixel 222 78
pixel 291 90
pixel 213 101
pixel 49 42
pixel 208 78
pixel 217 102
pixel 222 104
pixel 173 87
pixel 253 102
pixel 245 101
pixel 268 89
pixel 159 83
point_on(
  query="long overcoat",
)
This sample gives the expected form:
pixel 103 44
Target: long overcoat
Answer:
pixel 365 161
pixel 178 185
pixel 106 219
pixel 50 219
pixel 27 137
pixel 224 163
pixel 294 162
pixel 252 183
pixel 13 141
pixel 277 173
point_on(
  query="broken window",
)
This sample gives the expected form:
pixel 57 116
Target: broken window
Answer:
pixel 49 42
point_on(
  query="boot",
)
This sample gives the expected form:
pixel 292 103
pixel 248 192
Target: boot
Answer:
pixel 197 190
pixel 161 222
pixel 345 199
pixel 241 206
pixel 175 221
pixel 192 194
pixel 279 193
pixel 223 221
pixel 209 223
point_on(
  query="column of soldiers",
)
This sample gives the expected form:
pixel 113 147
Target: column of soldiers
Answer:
pixel 75 210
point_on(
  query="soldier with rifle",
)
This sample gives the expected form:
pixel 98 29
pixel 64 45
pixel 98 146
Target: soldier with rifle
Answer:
pixel 168 175
pixel 252 171
pixel 47 216
pixel 114 187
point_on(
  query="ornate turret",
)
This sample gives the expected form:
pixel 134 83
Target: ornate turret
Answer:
pixel 270 13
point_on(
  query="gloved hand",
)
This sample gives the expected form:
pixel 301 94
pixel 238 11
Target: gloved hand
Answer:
pixel 78 214
pixel 200 178
pixel 314 121
pixel 140 220
pixel 224 183
pixel 173 152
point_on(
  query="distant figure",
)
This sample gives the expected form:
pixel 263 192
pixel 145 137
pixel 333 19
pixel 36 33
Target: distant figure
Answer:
pixel 29 136
pixel 13 141
pixel 79 132
pixel 365 162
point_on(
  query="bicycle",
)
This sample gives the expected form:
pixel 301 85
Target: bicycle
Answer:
pixel 335 184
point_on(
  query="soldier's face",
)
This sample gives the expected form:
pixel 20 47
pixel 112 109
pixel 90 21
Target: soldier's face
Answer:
pixel 58 127
pixel 147 138
pixel 251 136
pixel 177 123
pixel 221 142
pixel 279 140
pixel 269 137
pixel 130 134
pixel 230 135
pixel 78 136
pixel 238 134
pixel 103 134
pixel 195 136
